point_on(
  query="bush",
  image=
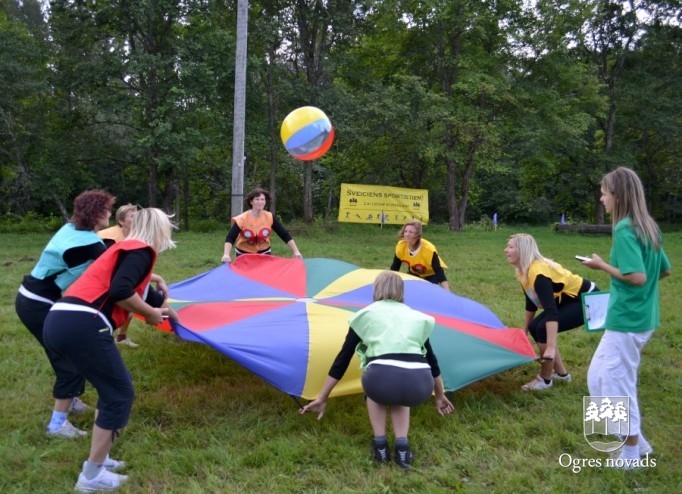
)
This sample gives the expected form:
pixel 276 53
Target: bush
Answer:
pixel 30 223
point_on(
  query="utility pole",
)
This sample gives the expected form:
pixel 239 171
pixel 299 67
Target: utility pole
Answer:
pixel 238 157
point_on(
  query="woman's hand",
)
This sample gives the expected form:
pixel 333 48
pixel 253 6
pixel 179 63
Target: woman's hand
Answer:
pixel 171 314
pixel 443 405
pixel 595 262
pixel 161 285
pixel 549 353
pixel 297 255
pixel 227 259
pixel 319 405
pixel 156 316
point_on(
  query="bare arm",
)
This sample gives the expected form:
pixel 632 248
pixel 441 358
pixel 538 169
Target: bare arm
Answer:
pixel 226 252
pixel 294 249
pixel 135 304
pixel 443 405
pixel 596 262
pixel 320 403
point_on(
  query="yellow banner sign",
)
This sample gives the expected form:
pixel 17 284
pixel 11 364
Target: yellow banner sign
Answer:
pixel 381 204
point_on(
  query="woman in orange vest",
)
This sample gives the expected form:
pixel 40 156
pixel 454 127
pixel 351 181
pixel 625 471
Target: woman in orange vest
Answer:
pixel 79 328
pixel 420 255
pixel 251 231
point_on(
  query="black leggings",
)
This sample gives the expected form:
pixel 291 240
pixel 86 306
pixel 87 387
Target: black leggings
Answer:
pixel 570 317
pixel 390 385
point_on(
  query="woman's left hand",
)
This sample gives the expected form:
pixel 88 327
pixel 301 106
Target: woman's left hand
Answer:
pixel 549 353
pixel 172 315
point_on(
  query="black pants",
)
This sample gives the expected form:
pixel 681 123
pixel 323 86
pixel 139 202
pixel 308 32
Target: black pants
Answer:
pixel 570 317
pixel 82 339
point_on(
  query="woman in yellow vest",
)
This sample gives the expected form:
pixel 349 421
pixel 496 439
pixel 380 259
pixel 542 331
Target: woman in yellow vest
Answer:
pixel 420 255
pixel 557 291
pixel 400 370
pixel 251 231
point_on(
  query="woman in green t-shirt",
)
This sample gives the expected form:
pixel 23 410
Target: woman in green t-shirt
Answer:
pixel 637 263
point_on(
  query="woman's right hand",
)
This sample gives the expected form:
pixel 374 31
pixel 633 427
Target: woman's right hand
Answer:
pixel 156 316
pixel 319 405
pixel 227 259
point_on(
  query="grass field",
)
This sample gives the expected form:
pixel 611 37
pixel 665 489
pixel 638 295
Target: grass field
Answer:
pixel 202 424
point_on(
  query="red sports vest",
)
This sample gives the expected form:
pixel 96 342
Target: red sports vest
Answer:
pixel 94 283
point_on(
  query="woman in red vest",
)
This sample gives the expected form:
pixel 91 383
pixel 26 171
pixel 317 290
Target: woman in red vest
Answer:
pixel 80 325
pixel 250 232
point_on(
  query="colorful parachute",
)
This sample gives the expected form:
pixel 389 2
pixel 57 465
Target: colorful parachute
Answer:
pixel 286 319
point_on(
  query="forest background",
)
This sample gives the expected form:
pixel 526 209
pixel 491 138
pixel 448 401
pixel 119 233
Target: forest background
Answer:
pixel 493 106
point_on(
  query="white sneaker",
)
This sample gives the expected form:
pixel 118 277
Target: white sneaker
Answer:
pixel 67 430
pixel 127 342
pixel 567 378
pixel 644 447
pixel 537 384
pixel 78 407
pixel 113 465
pixel 105 481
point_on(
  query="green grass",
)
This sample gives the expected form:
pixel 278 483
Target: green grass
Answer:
pixel 201 423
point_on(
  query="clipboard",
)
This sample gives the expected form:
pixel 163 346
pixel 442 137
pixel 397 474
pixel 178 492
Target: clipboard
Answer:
pixel 595 305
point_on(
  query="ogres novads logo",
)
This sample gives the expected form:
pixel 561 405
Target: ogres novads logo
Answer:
pixel 606 422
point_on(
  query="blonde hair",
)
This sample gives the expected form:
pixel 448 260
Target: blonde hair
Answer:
pixel 528 252
pixel 123 211
pixel 630 202
pixel 388 285
pixel 153 227
pixel 417 226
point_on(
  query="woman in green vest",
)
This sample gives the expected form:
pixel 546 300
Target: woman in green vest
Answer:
pixel 400 369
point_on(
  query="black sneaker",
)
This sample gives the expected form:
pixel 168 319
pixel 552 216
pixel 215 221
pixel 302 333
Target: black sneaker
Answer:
pixel 381 454
pixel 404 457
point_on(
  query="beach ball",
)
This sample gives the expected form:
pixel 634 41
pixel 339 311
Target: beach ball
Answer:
pixel 307 133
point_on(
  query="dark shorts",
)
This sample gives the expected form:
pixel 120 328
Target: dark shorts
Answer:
pixel 390 385
pixel 83 340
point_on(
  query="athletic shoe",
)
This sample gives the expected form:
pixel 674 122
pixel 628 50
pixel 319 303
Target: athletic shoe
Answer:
pixel 67 430
pixel 567 378
pixel 127 342
pixel 381 454
pixel 537 384
pixel 105 481
pixel 404 457
pixel 644 447
pixel 78 407
pixel 113 465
